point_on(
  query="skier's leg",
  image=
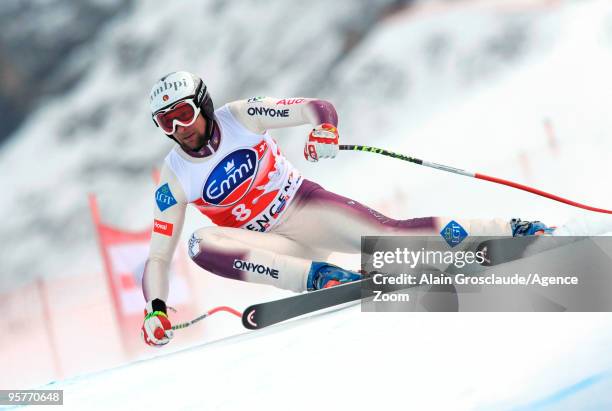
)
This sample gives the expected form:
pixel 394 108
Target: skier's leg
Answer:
pixel 264 258
pixel 323 219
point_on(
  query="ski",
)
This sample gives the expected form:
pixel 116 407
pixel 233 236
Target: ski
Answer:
pixel 257 316
pixel 262 315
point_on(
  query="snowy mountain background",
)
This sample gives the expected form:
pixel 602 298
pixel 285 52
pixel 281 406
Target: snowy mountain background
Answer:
pixel 410 79
pixel 98 137
pixel 39 40
pixel 472 84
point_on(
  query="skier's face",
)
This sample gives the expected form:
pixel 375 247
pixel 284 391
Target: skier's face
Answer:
pixel 192 137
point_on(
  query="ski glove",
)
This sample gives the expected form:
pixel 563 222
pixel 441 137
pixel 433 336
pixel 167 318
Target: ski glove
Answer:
pixel 322 143
pixel 156 329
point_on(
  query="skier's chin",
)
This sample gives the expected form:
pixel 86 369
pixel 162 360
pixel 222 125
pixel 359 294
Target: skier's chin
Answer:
pixel 193 142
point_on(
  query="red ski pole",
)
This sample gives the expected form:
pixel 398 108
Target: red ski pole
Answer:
pixel 353 147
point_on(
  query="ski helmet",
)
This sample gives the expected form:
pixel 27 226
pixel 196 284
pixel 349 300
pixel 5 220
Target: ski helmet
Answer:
pixel 178 86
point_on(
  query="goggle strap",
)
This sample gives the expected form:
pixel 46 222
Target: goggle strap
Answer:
pixel 200 93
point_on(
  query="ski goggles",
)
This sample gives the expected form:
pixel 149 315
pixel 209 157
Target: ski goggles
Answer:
pixel 183 113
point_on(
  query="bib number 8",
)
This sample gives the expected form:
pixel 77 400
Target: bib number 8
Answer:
pixel 241 212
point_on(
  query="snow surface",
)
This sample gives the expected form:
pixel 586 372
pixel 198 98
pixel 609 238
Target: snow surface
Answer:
pixel 352 360
pixel 448 114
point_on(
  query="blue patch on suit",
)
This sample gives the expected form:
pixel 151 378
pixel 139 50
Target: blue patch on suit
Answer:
pixel 164 197
pixel 453 233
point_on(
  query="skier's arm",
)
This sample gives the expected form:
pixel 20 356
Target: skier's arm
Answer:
pixel 262 113
pixel 170 203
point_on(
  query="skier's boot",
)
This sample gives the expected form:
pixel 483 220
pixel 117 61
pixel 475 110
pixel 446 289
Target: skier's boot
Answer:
pixel 325 275
pixel 526 228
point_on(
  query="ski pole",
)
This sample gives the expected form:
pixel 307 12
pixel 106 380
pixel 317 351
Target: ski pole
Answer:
pixel 206 314
pixel 354 147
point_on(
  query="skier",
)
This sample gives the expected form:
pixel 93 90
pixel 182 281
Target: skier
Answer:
pixel 272 225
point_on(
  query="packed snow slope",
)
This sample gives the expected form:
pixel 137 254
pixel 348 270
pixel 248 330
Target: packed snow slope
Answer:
pixel 353 360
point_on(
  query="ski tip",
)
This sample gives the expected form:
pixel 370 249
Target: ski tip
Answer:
pixel 248 318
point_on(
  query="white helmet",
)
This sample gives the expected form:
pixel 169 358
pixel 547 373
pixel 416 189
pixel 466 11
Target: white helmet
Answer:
pixel 177 86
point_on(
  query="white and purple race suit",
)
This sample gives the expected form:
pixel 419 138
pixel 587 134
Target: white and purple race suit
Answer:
pixel 271 223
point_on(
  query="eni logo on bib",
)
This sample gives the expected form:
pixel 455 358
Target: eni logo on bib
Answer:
pixel 231 178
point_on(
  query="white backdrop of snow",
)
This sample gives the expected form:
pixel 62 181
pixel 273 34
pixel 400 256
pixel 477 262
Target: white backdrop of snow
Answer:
pixel 350 359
